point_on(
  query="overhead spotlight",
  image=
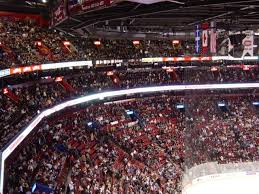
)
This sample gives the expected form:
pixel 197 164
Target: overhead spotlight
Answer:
pixel 44 1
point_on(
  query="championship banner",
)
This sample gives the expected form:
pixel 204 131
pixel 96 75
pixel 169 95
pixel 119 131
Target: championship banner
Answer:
pixel 248 43
pixel 213 38
pixel 205 37
pixel 241 44
pixel 197 39
pixel 96 4
pixel 76 7
pixel 59 14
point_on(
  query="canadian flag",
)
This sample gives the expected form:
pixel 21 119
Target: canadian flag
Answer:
pixel 205 37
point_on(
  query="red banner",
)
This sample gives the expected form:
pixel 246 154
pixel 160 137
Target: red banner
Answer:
pixel 11 95
pixel 59 14
pixel 205 37
pixel 186 59
pixel 89 5
pixel 26 69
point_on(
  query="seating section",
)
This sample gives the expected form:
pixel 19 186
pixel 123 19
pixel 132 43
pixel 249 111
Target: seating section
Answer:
pixel 23 42
pixel 139 145
pixel 38 95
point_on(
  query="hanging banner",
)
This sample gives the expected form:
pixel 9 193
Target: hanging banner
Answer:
pixel 59 14
pixel 148 2
pixel 241 44
pixel 205 38
pixel 197 39
pixel 76 7
pixel 248 43
pixel 213 38
pixel 230 45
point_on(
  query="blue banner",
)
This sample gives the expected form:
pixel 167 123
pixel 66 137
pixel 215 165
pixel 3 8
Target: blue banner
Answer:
pixel 197 39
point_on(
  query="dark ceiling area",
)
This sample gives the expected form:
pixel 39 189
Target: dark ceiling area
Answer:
pixel 27 6
pixel 166 16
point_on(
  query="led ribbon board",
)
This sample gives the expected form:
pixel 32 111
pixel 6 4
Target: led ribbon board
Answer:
pixel 32 68
pixel 17 141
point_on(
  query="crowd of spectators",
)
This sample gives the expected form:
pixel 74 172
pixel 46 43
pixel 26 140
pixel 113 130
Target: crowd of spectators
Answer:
pixel 36 96
pixel 222 130
pixel 27 170
pixel 104 148
pixel 23 42
pixel 131 155
pixel 113 151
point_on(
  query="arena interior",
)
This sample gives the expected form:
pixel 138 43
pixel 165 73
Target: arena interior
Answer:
pixel 129 97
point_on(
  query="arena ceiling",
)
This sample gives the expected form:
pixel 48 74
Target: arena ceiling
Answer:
pixel 168 16
pixel 26 6
pixel 172 16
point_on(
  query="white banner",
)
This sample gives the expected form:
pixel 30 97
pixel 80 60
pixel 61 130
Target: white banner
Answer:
pixel 213 38
pixel 248 43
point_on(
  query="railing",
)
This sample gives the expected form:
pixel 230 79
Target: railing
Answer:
pixel 39 67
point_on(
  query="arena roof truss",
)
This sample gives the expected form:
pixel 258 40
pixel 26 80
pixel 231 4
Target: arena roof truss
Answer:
pixel 164 17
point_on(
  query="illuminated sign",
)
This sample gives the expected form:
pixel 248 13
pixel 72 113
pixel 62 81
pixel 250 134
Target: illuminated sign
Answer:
pixel 176 42
pixel 97 43
pixel 66 43
pixel 59 79
pixel 5 91
pixel 136 42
